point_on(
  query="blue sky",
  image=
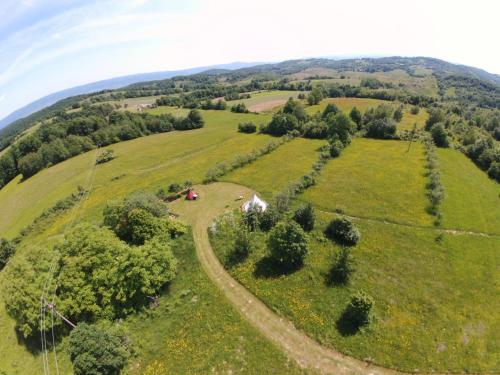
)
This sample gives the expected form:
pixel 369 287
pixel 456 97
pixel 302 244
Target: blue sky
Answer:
pixel 49 45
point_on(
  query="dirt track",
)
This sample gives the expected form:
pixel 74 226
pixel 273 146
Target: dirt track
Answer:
pixel 215 199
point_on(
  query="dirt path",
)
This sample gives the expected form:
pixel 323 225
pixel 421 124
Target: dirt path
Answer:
pixel 215 199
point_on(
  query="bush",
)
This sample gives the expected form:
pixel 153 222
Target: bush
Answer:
pixel 96 351
pixel 104 157
pixel 381 129
pixel 288 244
pixel 282 123
pixel 342 268
pixel 330 108
pixel 315 129
pixel 242 246
pixel 415 110
pixel 340 127
pixel 7 249
pixel 494 171
pixel 269 218
pixel 305 217
pixel 355 116
pixel 251 218
pixel 247 127
pixel 398 114
pixel 174 188
pixel 336 148
pixel 343 231
pixel 439 135
pixel 435 115
pixel 358 312
pixel 239 108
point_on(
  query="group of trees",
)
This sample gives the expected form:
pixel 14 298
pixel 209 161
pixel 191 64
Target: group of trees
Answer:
pixel 71 134
pixel 134 243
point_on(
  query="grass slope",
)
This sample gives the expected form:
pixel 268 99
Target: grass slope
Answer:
pixel 346 104
pixel 265 100
pixel 150 162
pixel 472 200
pixel 274 171
pixel 430 296
pixel 410 119
pixel 375 179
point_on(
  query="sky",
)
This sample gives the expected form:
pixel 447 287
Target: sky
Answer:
pixel 51 45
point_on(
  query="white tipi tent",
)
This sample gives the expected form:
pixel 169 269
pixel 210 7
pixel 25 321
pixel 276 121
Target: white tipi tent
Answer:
pixel 255 201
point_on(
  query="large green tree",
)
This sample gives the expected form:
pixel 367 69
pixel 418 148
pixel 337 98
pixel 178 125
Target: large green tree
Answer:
pixel 288 244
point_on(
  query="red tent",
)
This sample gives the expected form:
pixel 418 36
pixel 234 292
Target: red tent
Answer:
pixel 191 195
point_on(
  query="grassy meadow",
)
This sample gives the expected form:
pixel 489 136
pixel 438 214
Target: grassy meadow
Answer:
pixel 271 173
pixel 144 163
pixel 430 295
pixel 163 336
pixel 264 101
pixel 376 179
pixel 346 104
pixel 472 200
pixel 410 119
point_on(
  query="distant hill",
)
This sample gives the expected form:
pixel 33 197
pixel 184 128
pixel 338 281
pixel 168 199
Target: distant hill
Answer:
pixel 110 84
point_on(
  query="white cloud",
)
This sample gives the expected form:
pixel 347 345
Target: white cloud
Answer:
pixel 97 39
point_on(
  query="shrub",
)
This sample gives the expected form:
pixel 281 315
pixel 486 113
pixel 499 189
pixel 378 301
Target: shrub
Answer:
pixel 315 129
pixel 282 123
pixel 340 127
pixel 494 171
pixel 330 108
pixel 435 115
pixel 305 217
pixel 288 244
pixel 242 246
pixel 415 110
pixel 174 188
pixel 381 129
pixel 439 135
pixel 251 218
pixel 247 127
pixel 355 116
pixel 106 156
pixel 398 114
pixel 96 351
pixel 7 249
pixel 359 310
pixel 269 218
pixel 239 108
pixel 343 231
pixel 342 268
pixel 336 148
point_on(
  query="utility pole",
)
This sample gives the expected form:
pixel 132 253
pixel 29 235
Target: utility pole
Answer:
pixel 52 307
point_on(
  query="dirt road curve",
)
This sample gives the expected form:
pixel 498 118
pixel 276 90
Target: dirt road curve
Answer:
pixel 216 198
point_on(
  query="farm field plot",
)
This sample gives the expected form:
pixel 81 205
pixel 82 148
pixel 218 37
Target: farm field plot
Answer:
pixel 429 295
pixel 149 162
pixel 375 179
pixel 346 104
pixel 472 200
pixel 265 100
pixel 271 173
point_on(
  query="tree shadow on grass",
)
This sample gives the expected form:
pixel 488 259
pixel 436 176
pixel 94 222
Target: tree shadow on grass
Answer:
pixel 346 326
pixel 269 268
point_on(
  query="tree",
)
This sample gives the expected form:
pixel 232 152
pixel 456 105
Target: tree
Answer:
pixel 435 115
pixel 106 156
pixel 305 217
pixel 358 312
pixel 336 148
pixel 295 108
pixel 247 127
pixel 288 244
pixel 25 278
pixel 439 135
pixel 242 246
pixel 96 351
pixel 342 268
pixel 356 116
pixel 251 218
pixel 343 231
pixel 239 108
pixel 330 108
pixel 340 127
pixel 269 218
pixel 31 164
pixel 315 96
pixel 281 124
pixel 415 110
pixel 7 249
pixel 398 114
pixel 494 171
pixel 381 129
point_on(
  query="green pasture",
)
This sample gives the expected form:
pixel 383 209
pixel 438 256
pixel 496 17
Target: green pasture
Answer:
pixel 376 179
pixel 346 104
pixel 435 297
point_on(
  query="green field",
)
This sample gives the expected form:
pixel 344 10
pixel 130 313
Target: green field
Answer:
pixel 144 163
pixel 376 179
pixel 163 335
pixel 472 200
pixel 409 119
pixel 346 104
pixel 274 171
pixel 430 297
